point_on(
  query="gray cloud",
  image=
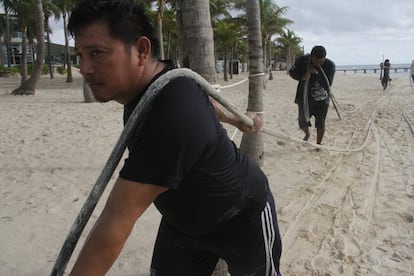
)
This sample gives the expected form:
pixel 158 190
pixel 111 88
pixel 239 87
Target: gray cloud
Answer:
pixel 355 31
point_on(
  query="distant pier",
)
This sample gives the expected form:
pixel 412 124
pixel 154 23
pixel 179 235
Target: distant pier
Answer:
pixel 374 70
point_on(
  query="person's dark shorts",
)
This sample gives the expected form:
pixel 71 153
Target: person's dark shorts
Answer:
pixel 317 109
pixel 251 245
pixel 385 79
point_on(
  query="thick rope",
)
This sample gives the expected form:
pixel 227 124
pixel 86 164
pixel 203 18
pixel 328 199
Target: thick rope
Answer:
pixel 334 102
pixel 300 141
pixel 333 149
pixel 306 101
pixel 218 86
pixel 408 122
pixel 132 125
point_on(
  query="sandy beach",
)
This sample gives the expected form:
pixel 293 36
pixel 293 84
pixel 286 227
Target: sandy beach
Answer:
pixel 346 209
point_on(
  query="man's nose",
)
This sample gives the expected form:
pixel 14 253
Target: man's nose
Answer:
pixel 86 67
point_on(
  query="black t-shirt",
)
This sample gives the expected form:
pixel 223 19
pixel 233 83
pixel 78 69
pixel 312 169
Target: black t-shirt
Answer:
pixel 387 66
pixel 183 146
pixel 318 85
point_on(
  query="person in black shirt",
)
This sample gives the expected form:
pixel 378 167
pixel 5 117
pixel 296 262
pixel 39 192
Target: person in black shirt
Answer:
pixel 214 200
pixel 315 74
pixel 386 73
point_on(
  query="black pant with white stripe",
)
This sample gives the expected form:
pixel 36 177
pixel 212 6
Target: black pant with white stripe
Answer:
pixel 250 245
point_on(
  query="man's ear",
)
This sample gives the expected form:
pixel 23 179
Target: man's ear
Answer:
pixel 143 49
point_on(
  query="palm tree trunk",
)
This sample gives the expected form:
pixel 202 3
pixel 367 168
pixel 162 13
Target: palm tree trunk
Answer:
pixel 23 60
pixel 29 86
pixel 270 66
pixel 225 66
pixel 264 54
pixel 32 50
pixel 290 57
pixel 169 45
pixel 161 5
pixel 69 77
pixel 49 56
pixel 252 144
pixel 8 35
pixel 231 62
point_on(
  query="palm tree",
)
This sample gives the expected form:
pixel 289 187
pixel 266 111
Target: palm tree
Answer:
pixel 272 23
pixel 227 32
pixel 22 10
pixel 48 31
pixel 169 23
pixel 49 8
pixel 6 5
pixel 290 44
pixel 226 36
pixel 252 144
pixel 29 86
pixel 65 6
pixel 219 9
pixel 242 52
pixel 159 21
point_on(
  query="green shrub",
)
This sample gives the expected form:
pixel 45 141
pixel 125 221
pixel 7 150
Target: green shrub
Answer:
pixel 45 69
pixel 61 70
pixel 8 71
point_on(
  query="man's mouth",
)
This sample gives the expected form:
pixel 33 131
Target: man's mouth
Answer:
pixel 93 84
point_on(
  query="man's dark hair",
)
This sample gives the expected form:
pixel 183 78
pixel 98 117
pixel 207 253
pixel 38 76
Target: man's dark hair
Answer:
pixel 318 51
pixel 126 21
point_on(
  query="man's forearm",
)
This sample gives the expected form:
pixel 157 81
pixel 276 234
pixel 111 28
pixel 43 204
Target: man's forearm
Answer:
pixel 226 116
pixel 102 246
pixel 127 202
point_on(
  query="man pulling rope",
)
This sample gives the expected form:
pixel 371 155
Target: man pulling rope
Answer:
pixel 213 198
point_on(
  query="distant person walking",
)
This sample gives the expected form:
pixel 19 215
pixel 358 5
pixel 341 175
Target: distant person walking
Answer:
pixel 412 70
pixel 386 73
pixel 315 74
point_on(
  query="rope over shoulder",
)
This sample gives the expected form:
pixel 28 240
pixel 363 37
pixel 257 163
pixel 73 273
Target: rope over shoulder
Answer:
pixel 205 85
pixel 132 126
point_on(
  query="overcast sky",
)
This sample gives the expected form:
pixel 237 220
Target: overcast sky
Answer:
pixel 354 32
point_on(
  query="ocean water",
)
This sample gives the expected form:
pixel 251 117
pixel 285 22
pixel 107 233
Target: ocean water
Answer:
pixel 396 69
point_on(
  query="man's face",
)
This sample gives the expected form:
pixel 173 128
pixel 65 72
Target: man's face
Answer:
pixel 317 62
pixel 110 69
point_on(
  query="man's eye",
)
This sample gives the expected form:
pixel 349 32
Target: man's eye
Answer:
pixel 96 53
